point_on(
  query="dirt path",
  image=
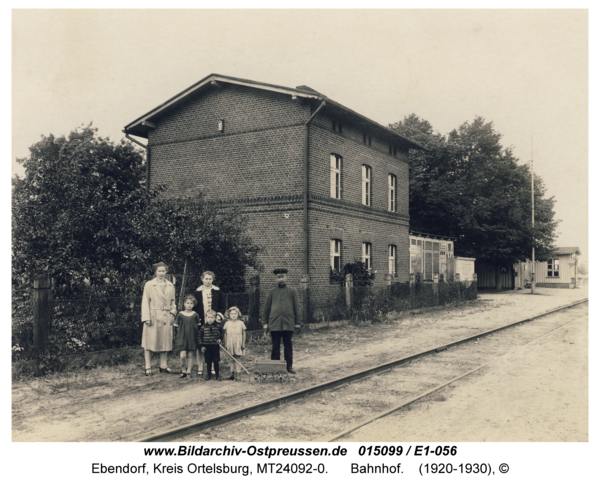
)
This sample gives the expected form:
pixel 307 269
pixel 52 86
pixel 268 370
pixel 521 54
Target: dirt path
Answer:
pixel 118 403
pixel 537 392
pixel 327 414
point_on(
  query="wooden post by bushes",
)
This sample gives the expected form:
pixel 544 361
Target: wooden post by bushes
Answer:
pixel 43 307
pixel 304 288
pixel 254 303
pixel 388 285
pixel 436 289
pixel 348 285
pixel 457 282
pixel 412 285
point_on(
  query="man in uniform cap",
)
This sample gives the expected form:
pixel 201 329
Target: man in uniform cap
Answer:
pixel 281 315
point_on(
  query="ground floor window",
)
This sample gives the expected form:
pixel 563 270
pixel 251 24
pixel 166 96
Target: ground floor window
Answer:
pixel 392 260
pixel 366 255
pixel 335 255
pixel 553 267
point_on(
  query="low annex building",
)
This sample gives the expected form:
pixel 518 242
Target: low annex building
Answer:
pixel 322 184
pixel 560 271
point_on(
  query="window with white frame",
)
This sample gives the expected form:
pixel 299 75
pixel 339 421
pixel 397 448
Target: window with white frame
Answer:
pixel 553 267
pixel 366 254
pixel 392 260
pixel 336 263
pixel 392 193
pixel 366 185
pixel 336 176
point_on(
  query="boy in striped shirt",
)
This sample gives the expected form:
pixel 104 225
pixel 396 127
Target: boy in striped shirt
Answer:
pixel 209 339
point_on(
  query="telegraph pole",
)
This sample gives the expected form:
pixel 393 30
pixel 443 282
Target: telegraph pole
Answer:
pixel 532 225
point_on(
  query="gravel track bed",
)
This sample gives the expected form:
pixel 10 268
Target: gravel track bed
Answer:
pixel 119 403
pixel 321 416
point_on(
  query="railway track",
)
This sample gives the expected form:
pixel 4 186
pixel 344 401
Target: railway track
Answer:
pixel 185 432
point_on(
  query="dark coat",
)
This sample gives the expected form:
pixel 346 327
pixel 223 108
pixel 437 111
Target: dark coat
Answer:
pixel 281 311
pixel 217 304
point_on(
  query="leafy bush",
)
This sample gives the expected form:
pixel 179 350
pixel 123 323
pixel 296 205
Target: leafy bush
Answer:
pixel 361 275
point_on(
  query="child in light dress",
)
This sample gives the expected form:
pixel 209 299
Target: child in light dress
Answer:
pixel 235 340
pixel 186 342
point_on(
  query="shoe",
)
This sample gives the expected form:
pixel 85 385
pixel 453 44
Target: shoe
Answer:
pixel 183 375
pixel 165 370
pixel 217 377
pixel 232 377
pixel 291 370
pixel 200 372
pixel 148 372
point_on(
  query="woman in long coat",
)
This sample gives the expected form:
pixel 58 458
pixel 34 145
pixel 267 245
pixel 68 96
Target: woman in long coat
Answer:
pixel 158 315
pixel 209 297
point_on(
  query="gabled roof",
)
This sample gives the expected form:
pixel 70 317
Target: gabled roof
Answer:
pixel 567 250
pixel 141 125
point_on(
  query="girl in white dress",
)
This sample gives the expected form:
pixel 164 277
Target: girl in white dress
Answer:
pixel 235 340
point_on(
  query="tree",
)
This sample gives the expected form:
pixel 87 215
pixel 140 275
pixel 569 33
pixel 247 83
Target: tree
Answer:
pixel 469 187
pixel 82 214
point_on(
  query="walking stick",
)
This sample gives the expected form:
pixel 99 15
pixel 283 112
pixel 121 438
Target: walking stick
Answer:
pixel 182 291
pixel 234 359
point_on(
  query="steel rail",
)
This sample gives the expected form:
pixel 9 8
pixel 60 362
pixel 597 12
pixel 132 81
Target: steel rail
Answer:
pixel 197 427
pixel 409 401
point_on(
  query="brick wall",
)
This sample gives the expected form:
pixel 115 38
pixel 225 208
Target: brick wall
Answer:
pixel 258 154
pixel 324 142
pixel 258 162
pixel 348 219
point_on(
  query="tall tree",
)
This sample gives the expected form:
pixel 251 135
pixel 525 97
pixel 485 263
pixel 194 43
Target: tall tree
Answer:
pixel 471 188
pixel 82 214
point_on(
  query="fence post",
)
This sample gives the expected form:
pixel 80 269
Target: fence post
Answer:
pixel 457 282
pixel 304 286
pixel 388 285
pixel 475 283
pixel 412 285
pixel 254 303
pixel 348 285
pixel 436 289
pixel 43 307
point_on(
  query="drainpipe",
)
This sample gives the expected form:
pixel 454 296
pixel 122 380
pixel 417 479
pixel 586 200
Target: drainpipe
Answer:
pixel 147 149
pixel 305 190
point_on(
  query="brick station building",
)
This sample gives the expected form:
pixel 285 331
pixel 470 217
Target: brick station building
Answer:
pixel 323 185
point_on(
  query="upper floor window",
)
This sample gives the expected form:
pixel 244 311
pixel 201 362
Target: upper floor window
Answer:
pixel 392 260
pixel 366 185
pixel 335 254
pixel 392 193
pixel 336 176
pixel 366 255
pixel 553 267
pixel 336 125
pixel 449 247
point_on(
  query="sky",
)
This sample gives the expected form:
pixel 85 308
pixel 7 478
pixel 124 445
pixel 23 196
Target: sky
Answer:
pixel 524 70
